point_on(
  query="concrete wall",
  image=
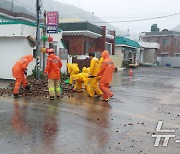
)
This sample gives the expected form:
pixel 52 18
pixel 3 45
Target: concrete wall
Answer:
pixel 117 60
pixel 14 45
pixel 14 30
pixel 118 51
pixel 173 61
pixel 11 50
pixel 139 55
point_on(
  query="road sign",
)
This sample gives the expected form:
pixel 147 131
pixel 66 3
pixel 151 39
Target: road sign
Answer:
pixel 52 29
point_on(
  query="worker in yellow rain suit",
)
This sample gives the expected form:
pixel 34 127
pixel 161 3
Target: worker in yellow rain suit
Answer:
pixel 81 80
pixel 73 69
pixel 94 70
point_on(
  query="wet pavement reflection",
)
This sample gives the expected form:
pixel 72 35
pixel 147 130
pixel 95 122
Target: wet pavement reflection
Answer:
pixel 80 124
pixel 19 123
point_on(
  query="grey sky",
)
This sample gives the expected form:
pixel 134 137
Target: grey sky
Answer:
pixel 120 10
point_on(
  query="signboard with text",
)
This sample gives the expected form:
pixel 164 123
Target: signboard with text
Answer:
pixel 52 21
pixel 52 29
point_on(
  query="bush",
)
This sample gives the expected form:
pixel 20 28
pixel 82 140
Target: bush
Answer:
pixel 41 74
pixel 158 63
pixel 125 63
pixel 63 75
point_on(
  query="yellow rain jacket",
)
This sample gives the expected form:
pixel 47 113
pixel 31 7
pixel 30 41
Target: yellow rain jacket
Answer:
pixel 100 62
pixel 94 70
pixel 81 79
pixel 94 66
pixel 73 69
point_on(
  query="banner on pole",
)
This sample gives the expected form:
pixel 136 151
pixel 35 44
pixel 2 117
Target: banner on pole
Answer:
pixel 52 21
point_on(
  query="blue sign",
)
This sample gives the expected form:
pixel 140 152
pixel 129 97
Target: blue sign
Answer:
pixel 52 29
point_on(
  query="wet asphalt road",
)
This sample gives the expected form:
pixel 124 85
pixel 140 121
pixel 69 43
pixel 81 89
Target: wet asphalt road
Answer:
pixel 83 125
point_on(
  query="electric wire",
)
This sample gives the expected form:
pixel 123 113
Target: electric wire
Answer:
pixel 137 20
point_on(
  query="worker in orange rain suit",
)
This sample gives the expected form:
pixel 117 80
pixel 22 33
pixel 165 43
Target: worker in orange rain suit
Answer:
pixel 19 71
pixel 106 72
pixel 94 69
pixel 81 80
pixel 73 69
pixel 52 69
pixel 100 61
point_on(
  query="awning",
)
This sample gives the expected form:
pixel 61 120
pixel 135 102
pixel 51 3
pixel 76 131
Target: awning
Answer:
pixel 81 33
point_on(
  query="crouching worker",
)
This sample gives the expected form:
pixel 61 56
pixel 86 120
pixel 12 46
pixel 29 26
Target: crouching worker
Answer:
pixel 19 72
pixel 52 69
pixel 81 80
pixel 105 74
pixel 73 69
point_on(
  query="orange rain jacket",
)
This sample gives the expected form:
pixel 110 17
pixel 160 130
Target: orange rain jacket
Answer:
pixel 107 68
pixel 20 66
pixel 53 67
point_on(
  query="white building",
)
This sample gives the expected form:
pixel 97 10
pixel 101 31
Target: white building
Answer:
pixel 148 52
pixel 14 45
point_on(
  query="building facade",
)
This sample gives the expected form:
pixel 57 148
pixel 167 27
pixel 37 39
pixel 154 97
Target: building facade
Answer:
pixel 147 53
pixel 169 42
pixel 127 48
pixel 14 44
pixel 81 38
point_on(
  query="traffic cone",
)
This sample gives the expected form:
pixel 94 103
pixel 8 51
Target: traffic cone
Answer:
pixel 130 72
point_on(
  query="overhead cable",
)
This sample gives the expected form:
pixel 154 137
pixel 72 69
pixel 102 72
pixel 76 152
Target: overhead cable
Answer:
pixel 136 20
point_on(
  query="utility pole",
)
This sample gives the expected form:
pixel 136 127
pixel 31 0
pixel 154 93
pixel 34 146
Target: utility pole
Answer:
pixel 38 9
pixel 44 42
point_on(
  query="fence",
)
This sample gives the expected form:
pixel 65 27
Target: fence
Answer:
pixel 170 61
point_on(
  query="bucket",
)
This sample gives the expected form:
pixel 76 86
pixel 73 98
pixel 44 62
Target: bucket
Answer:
pixel 66 81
